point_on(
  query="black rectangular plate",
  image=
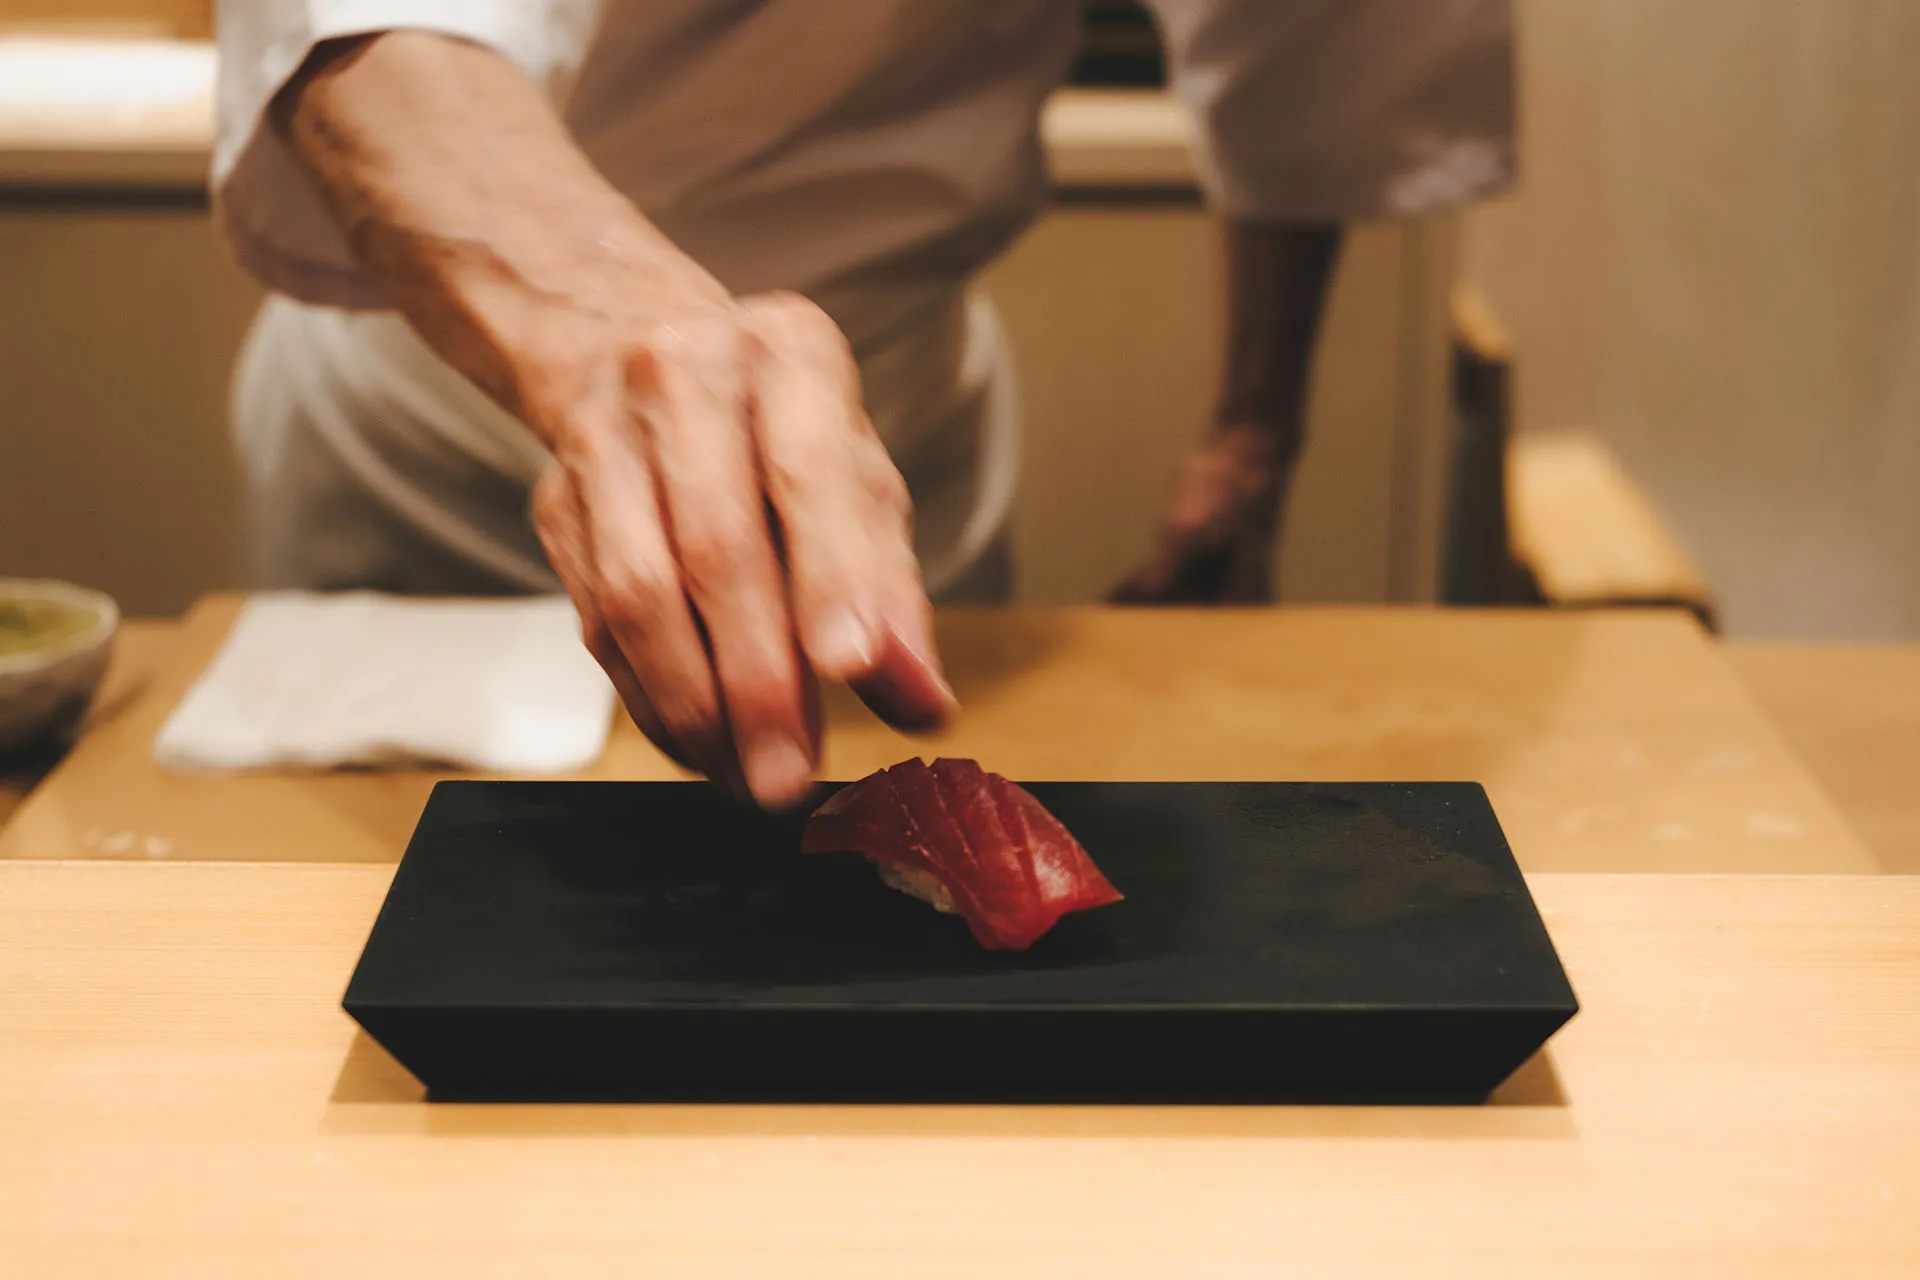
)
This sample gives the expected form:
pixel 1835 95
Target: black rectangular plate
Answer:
pixel 659 940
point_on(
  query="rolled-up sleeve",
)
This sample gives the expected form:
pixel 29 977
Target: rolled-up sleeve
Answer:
pixel 272 215
pixel 1337 109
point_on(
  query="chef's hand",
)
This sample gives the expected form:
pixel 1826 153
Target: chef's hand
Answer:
pixel 718 506
pixel 1215 542
pixel 728 524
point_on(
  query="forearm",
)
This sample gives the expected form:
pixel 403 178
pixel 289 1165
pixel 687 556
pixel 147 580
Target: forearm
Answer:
pixel 1216 539
pixel 461 193
pixel 718 506
pixel 1277 276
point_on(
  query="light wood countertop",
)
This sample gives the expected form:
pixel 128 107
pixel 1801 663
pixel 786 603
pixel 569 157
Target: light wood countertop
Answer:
pixel 1608 741
pixel 1852 712
pixel 181 1095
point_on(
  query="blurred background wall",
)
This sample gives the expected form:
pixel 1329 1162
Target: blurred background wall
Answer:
pixel 120 313
pixel 1714 262
pixel 1711 263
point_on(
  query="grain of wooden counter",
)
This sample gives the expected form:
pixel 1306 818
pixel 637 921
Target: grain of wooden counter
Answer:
pixel 1852 714
pixel 180 1096
pixel 1609 742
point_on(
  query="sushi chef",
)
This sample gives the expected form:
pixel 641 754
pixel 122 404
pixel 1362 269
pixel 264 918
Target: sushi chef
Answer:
pixel 666 303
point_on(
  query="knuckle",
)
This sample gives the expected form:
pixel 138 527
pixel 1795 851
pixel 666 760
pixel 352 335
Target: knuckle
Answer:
pixel 693 335
pixel 788 478
pixel 716 549
pixel 835 355
pixel 709 347
pixel 798 325
pixel 784 308
pixel 623 615
pixel 883 483
pixel 645 368
pixel 761 699
pixel 632 597
pixel 687 715
pixel 685 725
pixel 544 375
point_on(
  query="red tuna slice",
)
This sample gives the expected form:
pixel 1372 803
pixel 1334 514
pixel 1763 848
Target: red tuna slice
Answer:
pixel 1004 863
pixel 913 782
pixel 867 817
pixel 1065 878
pixel 1012 911
pixel 981 891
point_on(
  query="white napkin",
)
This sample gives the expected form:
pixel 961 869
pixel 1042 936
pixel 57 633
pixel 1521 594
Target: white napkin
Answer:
pixel 320 681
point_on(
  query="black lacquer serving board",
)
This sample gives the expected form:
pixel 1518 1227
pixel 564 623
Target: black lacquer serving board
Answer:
pixel 657 940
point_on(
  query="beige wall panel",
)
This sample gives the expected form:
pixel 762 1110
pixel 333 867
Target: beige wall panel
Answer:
pixel 117 331
pixel 116 334
pixel 1715 263
pixel 1116 319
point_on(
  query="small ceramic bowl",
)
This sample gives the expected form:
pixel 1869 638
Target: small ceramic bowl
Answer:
pixel 54 643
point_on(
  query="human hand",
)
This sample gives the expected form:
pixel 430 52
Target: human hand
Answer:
pixel 719 507
pixel 728 525
pixel 1215 544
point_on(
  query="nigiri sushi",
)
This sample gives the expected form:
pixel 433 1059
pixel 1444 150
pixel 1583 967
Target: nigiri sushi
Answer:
pixel 964 841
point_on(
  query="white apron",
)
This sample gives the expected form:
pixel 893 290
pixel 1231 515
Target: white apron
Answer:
pixel 370 462
pixel 870 154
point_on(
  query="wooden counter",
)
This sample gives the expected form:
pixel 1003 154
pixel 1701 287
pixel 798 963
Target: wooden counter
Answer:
pixel 180 1095
pixel 1852 714
pixel 1608 742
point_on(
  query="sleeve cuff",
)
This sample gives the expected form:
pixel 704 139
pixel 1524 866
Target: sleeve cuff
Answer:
pixel 276 220
pixel 1328 110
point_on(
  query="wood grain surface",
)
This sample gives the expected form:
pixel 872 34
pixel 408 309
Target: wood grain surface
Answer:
pixel 180 1096
pixel 1852 715
pixel 1608 741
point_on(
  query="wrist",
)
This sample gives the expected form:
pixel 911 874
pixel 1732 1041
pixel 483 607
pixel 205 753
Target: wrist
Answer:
pixel 556 325
pixel 531 306
pixel 513 257
pixel 1259 441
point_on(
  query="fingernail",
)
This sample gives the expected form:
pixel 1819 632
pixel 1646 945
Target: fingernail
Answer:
pixel 922 650
pixel 778 771
pixel 842 641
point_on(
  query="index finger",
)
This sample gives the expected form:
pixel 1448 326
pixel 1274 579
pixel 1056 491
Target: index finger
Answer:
pixel 692 398
pixel 859 606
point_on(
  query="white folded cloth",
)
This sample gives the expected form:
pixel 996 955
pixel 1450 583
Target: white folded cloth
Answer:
pixel 315 681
